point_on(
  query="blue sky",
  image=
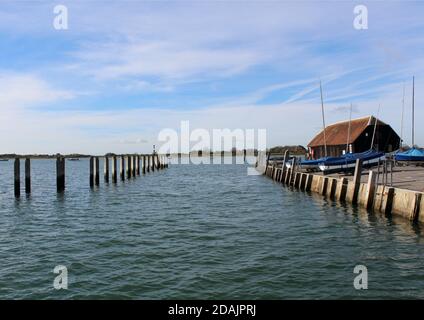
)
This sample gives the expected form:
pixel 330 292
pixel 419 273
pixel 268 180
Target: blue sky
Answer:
pixel 125 70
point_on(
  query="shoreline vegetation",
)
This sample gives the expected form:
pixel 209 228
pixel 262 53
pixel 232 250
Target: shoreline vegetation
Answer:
pixel 294 150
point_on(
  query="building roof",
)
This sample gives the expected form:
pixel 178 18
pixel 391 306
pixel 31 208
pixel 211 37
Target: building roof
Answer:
pixel 336 133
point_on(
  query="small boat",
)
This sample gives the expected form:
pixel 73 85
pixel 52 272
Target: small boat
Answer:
pixel 411 155
pixel 347 162
pixel 73 159
pixel 4 159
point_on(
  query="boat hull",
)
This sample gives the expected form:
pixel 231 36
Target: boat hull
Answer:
pixel 349 164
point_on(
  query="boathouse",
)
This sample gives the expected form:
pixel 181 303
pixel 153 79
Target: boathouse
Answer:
pixel 353 136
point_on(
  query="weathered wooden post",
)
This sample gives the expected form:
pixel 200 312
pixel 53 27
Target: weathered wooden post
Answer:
pixel 157 162
pixel 27 175
pixel 415 210
pixel 153 162
pixel 144 164
pixel 324 186
pixel 244 155
pixel 137 164
pixel 96 171
pixel 389 201
pixel 91 172
pixel 114 170
pixel 148 162
pixel 129 170
pixel 357 180
pixel 122 168
pixel 369 200
pixel 333 187
pixel 134 165
pixel 60 174
pixel 308 182
pixel 106 169
pixel 303 181
pixel 17 176
pixel 342 189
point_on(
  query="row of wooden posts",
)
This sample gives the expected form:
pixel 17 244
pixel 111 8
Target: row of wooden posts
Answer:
pixel 130 167
pixel 332 187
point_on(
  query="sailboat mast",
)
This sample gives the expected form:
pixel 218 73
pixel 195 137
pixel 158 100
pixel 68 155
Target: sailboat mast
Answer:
pixel 348 129
pixel 413 110
pixel 323 118
pixel 375 126
pixel 401 119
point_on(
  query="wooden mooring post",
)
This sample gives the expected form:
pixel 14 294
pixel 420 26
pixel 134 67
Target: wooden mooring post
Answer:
pixel 357 180
pixel 153 162
pixel 17 177
pixel 91 172
pixel 369 200
pixel 144 164
pixel 27 175
pixel 122 168
pixel 60 174
pixel 106 169
pixel 148 162
pixel 137 165
pixel 129 170
pixel 134 166
pixel 114 170
pixel 97 171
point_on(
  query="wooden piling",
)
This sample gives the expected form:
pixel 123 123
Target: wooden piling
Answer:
pixel 122 168
pixel 60 174
pixel 17 177
pixel 148 162
pixel 106 169
pixel 137 165
pixel 91 172
pixel 333 187
pixel 152 157
pixel 415 210
pixel 96 171
pixel 134 166
pixel 129 171
pixel 27 175
pixel 144 164
pixel 342 189
pixel 308 182
pixel 324 186
pixel 357 180
pixel 114 170
pixel 389 201
pixel 303 181
pixel 369 198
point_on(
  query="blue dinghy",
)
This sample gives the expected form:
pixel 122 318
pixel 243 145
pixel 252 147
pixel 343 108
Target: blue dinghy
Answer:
pixel 411 155
pixel 347 162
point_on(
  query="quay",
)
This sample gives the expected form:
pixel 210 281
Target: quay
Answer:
pixel 396 192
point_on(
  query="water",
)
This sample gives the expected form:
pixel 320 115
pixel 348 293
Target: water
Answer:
pixel 196 231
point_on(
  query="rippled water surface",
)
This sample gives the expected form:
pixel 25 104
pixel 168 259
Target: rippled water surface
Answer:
pixel 196 231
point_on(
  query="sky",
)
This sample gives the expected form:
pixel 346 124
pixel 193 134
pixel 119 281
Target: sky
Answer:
pixel 125 70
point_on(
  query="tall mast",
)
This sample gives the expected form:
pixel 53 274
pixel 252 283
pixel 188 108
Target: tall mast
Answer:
pixel 401 119
pixel 323 118
pixel 348 130
pixel 413 111
pixel 375 126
